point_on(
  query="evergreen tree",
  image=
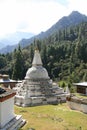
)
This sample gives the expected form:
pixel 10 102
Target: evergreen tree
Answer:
pixel 18 67
pixel 85 77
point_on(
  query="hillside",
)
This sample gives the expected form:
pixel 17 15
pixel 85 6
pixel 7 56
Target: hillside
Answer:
pixel 64 55
pixel 74 18
pixel 10 41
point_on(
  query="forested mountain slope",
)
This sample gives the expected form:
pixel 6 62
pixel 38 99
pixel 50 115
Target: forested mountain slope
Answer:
pixel 73 19
pixel 64 55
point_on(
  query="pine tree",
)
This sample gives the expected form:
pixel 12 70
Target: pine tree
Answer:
pixel 18 67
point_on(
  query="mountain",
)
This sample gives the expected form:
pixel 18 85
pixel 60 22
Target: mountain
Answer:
pixel 74 18
pixel 14 38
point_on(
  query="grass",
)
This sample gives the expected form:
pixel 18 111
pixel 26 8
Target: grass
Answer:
pixel 52 117
pixel 81 96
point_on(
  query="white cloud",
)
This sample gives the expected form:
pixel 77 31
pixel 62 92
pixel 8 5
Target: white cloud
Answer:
pixel 7 20
pixel 40 16
pixel 79 5
pixel 35 15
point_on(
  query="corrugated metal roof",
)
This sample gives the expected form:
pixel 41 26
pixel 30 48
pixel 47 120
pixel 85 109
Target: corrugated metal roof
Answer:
pixel 2 90
pixel 7 81
pixel 84 84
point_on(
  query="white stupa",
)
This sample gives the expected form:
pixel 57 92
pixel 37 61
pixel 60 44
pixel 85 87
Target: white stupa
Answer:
pixel 8 119
pixel 37 88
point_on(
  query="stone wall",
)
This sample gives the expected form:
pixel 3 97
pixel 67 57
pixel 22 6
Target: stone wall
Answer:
pixel 77 104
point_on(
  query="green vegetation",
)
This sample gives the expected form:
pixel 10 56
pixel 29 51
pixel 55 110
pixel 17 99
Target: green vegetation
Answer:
pixel 64 55
pixel 52 117
pixel 80 95
pixel 18 66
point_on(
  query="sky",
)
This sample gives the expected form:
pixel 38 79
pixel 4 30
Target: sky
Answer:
pixel 35 16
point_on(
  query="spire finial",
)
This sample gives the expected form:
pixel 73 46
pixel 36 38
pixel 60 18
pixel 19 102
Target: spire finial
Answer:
pixel 37 58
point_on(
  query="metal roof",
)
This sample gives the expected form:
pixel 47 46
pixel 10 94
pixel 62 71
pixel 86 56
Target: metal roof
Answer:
pixel 84 84
pixel 2 81
pixel 2 90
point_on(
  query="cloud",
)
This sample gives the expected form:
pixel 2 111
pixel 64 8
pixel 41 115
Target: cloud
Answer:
pixel 22 26
pixel 40 15
pixel 78 5
pixel 35 15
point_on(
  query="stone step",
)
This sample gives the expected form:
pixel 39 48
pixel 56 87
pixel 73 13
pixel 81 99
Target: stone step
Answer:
pixel 21 124
pixel 14 124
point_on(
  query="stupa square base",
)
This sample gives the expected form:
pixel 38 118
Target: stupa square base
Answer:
pixel 16 123
pixel 35 101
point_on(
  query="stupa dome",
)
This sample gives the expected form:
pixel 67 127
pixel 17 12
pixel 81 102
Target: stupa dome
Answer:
pixel 37 71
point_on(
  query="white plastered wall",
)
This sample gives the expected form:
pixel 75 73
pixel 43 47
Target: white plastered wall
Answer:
pixel 6 111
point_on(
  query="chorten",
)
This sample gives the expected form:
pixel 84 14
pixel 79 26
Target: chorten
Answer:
pixel 8 119
pixel 37 88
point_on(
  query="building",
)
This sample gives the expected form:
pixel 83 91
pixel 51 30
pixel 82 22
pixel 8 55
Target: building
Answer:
pixel 81 87
pixel 8 120
pixel 37 88
pixel 6 82
pixel 77 103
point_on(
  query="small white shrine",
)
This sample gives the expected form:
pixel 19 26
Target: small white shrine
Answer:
pixel 37 88
pixel 8 120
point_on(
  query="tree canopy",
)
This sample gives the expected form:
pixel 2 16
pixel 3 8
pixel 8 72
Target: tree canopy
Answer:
pixel 64 55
